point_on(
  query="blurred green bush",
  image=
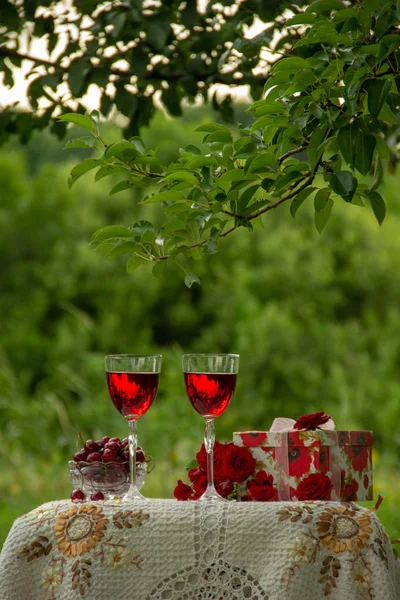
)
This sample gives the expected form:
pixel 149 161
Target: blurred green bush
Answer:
pixel 315 318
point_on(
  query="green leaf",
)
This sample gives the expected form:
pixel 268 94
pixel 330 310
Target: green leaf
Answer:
pixel 246 196
pixel 321 199
pixel 159 268
pixel 134 263
pixel 190 279
pixel 108 170
pixel 183 176
pixel 299 199
pixel 83 142
pixel 357 147
pixel 265 107
pixel 293 63
pixel 344 184
pixel 111 232
pixel 365 152
pixel 261 161
pixel 219 136
pixel 138 143
pixel 118 148
pixel 322 216
pixel 211 127
pixel 316 140
pixel 124 248
pixel 201 161
pixel 173 225
pixel 235 175
pixel 371 6
pixel 121 186
pixel 320 6
pixel 378 175
pixel 77 119
pixel 387 115
pixel 171 196
pixel 378 89
pixel 347 140
pixel 268 134
pixel 301 19
pixel 382 148
pixel 79 170
pixel 378 206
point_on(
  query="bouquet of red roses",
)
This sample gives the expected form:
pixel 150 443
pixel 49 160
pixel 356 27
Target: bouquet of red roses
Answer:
pixel 233 466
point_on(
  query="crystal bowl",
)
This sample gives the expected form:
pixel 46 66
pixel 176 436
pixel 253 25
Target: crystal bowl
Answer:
pixel 110 478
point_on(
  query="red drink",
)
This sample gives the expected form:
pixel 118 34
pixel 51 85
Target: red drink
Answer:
pixel 132 393
pixel 210 393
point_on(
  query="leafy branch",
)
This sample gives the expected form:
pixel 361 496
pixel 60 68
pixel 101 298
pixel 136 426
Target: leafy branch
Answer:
pixel 319 133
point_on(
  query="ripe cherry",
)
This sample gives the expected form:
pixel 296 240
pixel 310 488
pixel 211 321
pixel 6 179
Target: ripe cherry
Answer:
pixel 91 446
pixel 139 456
pixel 94 457
pixel 77 496
pixel 80 456
pixel 97 496
pixel 115 439
pixel 109 455
pixel 112 446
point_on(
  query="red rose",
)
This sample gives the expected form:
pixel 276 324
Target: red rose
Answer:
pixel 349 491
pixel 311 422
pixel 225 488
pixel 239 463
pixel 261 489
pixel 195 474
pixel 219 452
pixel 299 461
pixel 199 485
pixel 316 486
pixel 182 491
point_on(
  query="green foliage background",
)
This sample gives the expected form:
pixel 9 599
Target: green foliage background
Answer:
pixel 315 319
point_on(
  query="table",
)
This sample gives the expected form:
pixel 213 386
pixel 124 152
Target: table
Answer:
pixel 168 550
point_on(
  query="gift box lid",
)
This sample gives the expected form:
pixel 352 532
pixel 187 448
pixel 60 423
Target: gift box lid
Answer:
pixel 255 439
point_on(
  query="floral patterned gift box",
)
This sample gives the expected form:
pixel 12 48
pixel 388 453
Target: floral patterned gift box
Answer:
pixel 312 464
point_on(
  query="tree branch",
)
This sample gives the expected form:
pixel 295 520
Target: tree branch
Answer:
pixel 292 194
pixel 7 52
pixel 290 153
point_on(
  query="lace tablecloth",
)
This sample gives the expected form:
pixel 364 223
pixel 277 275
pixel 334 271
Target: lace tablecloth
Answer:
pixel 168 550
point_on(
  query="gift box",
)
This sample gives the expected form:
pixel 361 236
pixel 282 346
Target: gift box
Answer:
pixel 312 465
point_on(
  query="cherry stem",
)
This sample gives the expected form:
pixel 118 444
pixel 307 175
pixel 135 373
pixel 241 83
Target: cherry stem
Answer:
pixel 209 439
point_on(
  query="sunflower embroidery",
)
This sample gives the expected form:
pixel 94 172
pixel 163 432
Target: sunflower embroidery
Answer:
pixel 340 529
pixel 78 529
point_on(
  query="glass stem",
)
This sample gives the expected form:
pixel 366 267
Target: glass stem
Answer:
pixel 133 444
pixel 209 439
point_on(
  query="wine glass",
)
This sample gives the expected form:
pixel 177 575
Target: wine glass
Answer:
pixel 210 381
pixel 132 381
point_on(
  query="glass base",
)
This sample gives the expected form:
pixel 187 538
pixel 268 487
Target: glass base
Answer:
pixel 211 495
pixel 133 494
